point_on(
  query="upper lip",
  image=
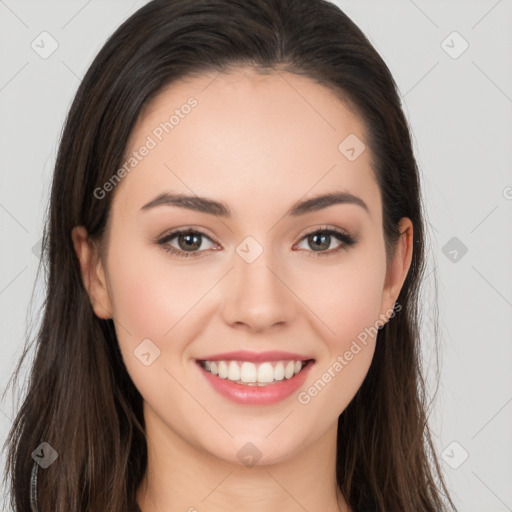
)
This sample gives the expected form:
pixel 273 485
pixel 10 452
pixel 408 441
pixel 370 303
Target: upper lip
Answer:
pixel 255 357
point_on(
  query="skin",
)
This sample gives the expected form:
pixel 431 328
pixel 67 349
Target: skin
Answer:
pixel 259 144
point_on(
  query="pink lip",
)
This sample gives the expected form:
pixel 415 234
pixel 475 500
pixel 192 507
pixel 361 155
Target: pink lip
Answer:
pixel 255 357
pixel 256 395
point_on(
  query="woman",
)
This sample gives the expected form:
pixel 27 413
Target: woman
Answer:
pixel 235 247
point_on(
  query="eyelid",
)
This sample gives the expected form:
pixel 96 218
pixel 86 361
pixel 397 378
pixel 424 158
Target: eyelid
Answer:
pixel 169 235
pixel 325 227
pixel 344 237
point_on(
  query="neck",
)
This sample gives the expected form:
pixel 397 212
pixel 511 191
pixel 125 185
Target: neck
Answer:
pixel 181 477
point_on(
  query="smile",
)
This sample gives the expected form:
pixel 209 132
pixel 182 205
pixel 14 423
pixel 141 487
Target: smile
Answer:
pixel 263 383
pixel 251 374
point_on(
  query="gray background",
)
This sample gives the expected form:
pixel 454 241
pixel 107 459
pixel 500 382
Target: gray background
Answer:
pixel 459 105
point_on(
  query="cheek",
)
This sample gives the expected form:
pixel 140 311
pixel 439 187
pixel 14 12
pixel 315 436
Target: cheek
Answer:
pixel 149 293
pixel 152 299
pixel 346 297
pixel 348 304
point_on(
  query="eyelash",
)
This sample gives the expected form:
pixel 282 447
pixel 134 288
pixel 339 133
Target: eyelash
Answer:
pixel 346 239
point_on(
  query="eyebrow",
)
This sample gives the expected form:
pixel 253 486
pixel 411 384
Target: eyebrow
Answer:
pixel 212 207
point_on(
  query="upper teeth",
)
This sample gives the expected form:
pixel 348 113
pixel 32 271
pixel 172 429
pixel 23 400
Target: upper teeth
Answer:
pixel 246 372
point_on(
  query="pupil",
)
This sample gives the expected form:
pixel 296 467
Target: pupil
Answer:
pixel 324 237
pixel 189 244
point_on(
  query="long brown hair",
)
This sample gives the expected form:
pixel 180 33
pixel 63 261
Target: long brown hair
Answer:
pixel 80 398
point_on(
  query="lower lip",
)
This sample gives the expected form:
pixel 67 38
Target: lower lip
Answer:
pixel 256 395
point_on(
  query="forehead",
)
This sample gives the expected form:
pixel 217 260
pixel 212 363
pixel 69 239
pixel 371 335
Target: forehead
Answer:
pixel 276 135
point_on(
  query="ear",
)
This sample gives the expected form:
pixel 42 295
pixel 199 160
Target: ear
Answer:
pixel 93 274
pixel 398 268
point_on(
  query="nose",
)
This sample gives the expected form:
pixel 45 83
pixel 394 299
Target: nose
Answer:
pixel 257 295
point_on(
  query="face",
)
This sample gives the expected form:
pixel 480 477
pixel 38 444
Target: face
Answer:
pixel 312 283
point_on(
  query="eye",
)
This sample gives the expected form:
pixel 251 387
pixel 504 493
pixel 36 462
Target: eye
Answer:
pixel 322 238
pixel 188 240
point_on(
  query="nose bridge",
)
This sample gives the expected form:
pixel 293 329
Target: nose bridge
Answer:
pixel 256 293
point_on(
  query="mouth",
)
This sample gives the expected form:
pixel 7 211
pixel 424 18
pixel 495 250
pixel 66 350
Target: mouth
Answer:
pixel 260 383
pixel 256 374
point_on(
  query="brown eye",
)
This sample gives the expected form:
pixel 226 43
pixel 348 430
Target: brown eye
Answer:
pixel 189 242
pixel 320 240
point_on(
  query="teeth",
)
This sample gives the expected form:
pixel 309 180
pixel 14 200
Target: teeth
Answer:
pixel 223 369
pixel 279 371
pixel 265 373
pixel 289 371
pixel 245 372
pixel 233 371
